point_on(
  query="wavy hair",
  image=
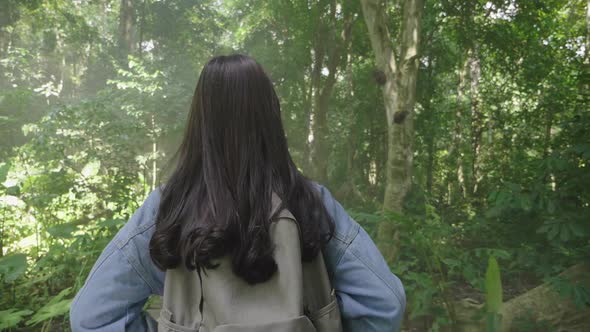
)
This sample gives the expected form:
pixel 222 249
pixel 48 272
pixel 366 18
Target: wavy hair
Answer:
pixel 233 156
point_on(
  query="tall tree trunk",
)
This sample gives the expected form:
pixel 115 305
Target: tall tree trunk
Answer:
pixel 330 45
pixel 456 150
pixel 126 28
pixel 348 188
pixel 9 15
pixel 141 26
pixel 399 94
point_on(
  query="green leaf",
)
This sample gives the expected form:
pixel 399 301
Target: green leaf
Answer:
pixel 542 229
pixel 451 262
pixel 57 306
pixel 577 230
pixel 13 266
pixel 12 317
pixel 63 230
pixel 366 217
pixel 564 234
pixel 553 231
pixel 111 223
pixel 12 190
pixel 493 287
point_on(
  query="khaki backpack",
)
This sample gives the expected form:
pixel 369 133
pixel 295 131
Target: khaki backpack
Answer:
pixel 298 297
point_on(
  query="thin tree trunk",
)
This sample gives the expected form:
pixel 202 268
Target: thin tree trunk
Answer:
pixel 399 93
pixel 373 170
pixel 318 58
pixel 587 59
pixel 306 162
pixel 348 188
pixel 4 44
pixel 457 147
pixel 430 139
pixel 430 163
pixel 477 127
pixel 2 232
pixel 327 44
pixel 9 18
pixel 548 178
pixel 154 153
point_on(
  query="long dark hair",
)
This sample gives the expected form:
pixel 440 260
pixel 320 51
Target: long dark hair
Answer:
pixel 233 157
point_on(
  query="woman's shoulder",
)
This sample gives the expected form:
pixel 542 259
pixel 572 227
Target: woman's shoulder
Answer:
pixel 142 221
pixel 346 228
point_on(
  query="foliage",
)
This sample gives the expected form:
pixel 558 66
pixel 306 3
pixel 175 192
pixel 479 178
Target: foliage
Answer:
pixel 54 308
pixel 13 266
pixel 501 154
pixel 12 317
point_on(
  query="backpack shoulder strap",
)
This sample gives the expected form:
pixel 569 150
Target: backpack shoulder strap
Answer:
pixel 319 298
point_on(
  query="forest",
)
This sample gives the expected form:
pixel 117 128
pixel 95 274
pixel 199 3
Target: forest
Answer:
pixel 456 132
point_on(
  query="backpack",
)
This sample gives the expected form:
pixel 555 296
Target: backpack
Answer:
pixel 297 298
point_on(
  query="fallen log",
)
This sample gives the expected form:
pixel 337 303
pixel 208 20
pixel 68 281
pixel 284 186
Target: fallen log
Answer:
pixel 539 309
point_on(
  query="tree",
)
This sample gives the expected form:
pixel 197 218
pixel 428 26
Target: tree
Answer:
pixel 127 27
pixel 397 73
pixel 333 46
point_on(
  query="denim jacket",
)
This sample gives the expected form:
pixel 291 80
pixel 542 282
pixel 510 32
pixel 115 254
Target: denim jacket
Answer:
pixel 371 298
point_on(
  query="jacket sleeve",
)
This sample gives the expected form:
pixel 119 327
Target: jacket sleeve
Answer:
pixel 371 297
pixel 118 285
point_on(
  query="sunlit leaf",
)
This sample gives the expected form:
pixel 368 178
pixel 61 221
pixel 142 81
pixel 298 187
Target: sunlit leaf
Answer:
pixel 91 169
pixel 12 317
pixel 57 306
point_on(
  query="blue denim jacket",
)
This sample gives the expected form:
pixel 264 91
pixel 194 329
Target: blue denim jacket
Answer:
pixel 371 298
